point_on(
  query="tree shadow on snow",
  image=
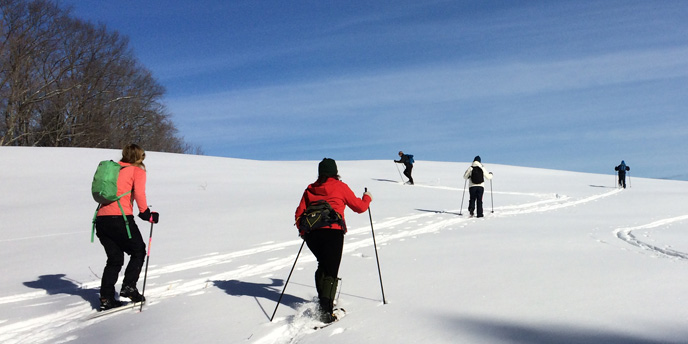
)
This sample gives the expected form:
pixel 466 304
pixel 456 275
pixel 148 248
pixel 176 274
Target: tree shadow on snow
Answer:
pixel 511 332
pixel 260 290
pixel 58 284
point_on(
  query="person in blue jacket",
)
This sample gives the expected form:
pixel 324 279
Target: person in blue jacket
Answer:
pixel 622 169
pixel 407 160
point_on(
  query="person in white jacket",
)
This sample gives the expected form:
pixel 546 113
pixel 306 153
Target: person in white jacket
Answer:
pixel 476 176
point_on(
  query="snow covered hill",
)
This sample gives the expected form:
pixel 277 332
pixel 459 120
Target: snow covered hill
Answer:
pixel 564 258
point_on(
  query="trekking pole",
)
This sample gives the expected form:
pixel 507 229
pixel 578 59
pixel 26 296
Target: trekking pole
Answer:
pixel 462 196
pixel 287 282
pixel 491 196
pixel 145 274
pixel 339 279
pixel 402 178
pixel 384 301
pixel 630 185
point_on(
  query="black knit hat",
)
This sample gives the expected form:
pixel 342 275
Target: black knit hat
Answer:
pixel 477 158
pixel 327 168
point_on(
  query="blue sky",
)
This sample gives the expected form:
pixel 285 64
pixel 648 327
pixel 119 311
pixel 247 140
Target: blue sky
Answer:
pixel 574 85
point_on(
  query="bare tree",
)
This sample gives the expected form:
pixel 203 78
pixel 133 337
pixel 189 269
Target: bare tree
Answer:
pixel 68 83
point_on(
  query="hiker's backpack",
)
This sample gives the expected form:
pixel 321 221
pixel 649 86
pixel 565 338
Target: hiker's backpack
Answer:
pixel 477 176
pixel 318 214
pixel 410 157
pixel 104 189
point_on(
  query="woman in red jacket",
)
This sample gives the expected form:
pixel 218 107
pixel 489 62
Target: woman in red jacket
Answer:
pixel 112 232
pixel 327 242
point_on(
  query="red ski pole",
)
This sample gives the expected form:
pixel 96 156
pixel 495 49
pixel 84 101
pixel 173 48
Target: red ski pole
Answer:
pixel 145 275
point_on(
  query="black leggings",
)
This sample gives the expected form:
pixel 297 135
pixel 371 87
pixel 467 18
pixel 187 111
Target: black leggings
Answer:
pixel 112 234
pixel 407 172
pixel 476 200
pixel 327 246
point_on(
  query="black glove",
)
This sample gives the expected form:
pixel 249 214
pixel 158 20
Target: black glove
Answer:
pixel 149 216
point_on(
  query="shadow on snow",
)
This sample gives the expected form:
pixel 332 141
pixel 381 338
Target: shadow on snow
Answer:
pixel 260 290
pixel 439 211
pixel 58 284
pixel 511 332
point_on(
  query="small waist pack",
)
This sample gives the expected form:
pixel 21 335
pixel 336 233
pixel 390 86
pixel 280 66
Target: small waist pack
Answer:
pixel 318 214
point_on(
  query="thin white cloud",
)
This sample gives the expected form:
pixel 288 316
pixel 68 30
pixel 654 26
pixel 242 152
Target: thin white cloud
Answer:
pixel 432 85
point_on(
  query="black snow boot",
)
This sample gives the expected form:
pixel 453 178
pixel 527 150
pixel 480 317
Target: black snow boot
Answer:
pixel 132 293
pixel 326 298
pixel 109 303
pixel 326 311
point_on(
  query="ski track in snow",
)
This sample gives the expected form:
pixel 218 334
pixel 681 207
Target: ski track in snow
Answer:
pixel 74 315
pixel 626 234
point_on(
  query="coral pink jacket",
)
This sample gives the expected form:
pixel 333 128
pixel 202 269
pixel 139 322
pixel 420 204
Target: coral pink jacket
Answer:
pixel 130 178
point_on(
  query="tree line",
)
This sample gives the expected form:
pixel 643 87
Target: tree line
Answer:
pixel 65 82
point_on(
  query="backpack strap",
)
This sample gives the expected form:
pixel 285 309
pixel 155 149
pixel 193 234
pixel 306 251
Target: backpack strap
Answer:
pixel 126 221
pixel 95 216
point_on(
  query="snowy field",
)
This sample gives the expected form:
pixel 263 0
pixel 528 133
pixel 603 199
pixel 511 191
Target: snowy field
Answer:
pixel 564 258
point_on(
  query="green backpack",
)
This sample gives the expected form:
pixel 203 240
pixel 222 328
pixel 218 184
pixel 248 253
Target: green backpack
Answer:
pixel 104 190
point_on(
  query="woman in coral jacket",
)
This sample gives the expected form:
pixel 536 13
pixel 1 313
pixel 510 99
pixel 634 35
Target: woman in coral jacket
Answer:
pixel 112 232
pixel 327 242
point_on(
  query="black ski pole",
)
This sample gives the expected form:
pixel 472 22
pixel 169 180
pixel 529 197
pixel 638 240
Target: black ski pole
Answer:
pixel 287 282
pixel 384 301
pixel 339 279
pixel 402 178
pixel 491 196
pixel 462 196
pixel 145 274
pixel 630 185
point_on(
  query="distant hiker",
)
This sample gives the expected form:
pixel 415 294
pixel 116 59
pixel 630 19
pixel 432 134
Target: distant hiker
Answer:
pixel 113 233
pixel 325 238
pixel 407 160
pixel 622 168
pixel 476 175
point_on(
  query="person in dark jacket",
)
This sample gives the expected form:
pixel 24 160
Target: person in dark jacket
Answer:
pixel 112 232
pixel 327 242
pixel 407 160
pixel 622 169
